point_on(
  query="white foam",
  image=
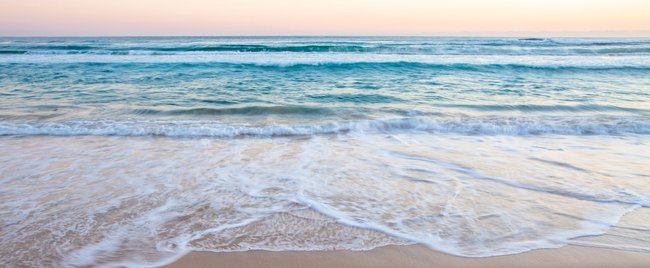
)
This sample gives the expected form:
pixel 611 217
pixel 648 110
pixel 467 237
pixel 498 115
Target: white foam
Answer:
pixel 485 125
pixel 140 202
pixel 289 59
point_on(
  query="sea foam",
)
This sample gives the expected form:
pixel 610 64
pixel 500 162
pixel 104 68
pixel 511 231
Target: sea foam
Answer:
pixel 517 126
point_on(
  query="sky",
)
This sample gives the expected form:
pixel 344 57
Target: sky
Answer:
pixel 324 17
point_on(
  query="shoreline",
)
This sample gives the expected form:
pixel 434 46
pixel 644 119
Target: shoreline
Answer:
pixel 414 256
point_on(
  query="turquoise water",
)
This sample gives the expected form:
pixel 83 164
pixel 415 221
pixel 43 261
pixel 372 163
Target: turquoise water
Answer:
pixel 465 86
pixel 390 140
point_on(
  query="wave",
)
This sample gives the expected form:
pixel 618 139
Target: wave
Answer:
pixel 515 126
pixel 545 108
pixel 16 52
pixel 355 98
pixel 264 48
pixel 337 60
pixel 63 47
pixel 378 98
pixel 416 46
pixel 248 110
pixel 408 50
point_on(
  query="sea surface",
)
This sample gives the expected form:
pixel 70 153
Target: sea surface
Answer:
pixel 134 151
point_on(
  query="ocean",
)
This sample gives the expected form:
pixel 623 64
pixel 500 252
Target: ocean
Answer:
pixel 132 151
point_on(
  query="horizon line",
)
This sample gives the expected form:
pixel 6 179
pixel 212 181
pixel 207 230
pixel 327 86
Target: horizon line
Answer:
pixel 468 34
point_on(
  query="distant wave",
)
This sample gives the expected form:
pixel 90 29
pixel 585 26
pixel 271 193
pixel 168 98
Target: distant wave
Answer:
pixel 267 48
pixel 342 60
pixel 430 46
pixel 516 126
pixel 562 51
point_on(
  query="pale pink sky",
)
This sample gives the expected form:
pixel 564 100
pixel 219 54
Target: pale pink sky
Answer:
pixel 322 17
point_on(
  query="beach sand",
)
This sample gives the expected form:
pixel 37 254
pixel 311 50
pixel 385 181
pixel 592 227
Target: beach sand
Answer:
pixel 416 256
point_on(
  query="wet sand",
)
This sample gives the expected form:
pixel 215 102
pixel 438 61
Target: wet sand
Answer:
pixel 416 256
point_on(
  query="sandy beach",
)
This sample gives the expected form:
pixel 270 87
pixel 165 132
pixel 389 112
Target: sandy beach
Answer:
pixel 416 256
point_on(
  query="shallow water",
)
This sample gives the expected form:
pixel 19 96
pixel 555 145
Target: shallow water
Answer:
pixel 133 151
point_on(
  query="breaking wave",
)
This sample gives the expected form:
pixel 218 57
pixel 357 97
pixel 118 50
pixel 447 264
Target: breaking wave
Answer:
pixel 515 126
